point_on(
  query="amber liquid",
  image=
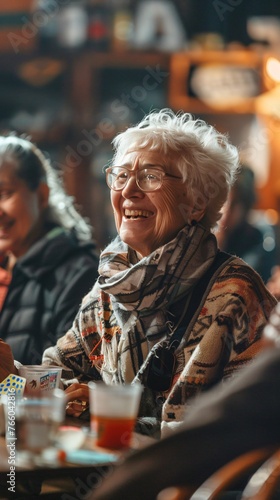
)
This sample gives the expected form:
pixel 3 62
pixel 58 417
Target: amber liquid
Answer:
pixel 112 432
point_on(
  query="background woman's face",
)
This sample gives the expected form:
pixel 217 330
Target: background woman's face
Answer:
pixel 146 221
pixel 20 210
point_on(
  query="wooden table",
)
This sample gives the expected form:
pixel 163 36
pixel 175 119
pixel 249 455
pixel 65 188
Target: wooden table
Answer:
pixel 52 481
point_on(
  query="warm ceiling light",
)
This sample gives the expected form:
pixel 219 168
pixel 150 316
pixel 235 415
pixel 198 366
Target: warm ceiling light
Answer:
pixel 273 68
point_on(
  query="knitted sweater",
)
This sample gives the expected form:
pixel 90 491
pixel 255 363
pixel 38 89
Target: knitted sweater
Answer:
pixel 225 335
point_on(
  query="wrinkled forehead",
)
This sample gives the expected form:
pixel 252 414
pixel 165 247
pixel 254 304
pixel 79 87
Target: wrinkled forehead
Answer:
pixel 136 157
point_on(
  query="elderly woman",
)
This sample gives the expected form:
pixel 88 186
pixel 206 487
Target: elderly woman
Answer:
pixel 168 309
pixel 48 257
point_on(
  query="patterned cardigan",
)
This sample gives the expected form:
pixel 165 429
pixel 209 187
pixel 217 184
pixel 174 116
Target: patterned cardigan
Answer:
pixel 224 335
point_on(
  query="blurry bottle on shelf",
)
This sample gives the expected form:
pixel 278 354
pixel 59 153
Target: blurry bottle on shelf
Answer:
pixel 158 26
pixel 61 25
pixel 45 19
pixel 99 25
pixel 72 25
pixel 122 25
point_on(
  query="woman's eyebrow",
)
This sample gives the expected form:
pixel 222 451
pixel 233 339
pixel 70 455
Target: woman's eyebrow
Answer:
pixel 142 166
pixel 152 165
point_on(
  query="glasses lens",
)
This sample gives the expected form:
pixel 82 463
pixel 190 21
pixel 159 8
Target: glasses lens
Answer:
pixel 117 178
pixel 149 179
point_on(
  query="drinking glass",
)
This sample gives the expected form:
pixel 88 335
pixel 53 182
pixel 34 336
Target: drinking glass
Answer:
pixel 40 378
pixel 37 421
pixel 113 410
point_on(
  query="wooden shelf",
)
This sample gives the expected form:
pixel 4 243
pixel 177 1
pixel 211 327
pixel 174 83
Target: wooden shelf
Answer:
pixel 81 89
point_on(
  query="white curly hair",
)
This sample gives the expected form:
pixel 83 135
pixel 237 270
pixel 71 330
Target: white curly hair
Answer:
pixel 206 160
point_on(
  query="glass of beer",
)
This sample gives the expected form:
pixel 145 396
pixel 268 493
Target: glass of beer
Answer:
pixel 113 412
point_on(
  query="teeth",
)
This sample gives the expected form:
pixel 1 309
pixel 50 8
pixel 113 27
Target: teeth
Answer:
pixel 137 213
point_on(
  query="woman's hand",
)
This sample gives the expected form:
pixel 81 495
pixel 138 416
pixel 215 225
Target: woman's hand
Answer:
pixel 7 365
pixel 78 399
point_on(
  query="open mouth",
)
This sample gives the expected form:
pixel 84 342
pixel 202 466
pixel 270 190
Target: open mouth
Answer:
pixel 137 214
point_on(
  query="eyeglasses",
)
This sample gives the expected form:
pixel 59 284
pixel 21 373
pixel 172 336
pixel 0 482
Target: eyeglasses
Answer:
pixel 147 179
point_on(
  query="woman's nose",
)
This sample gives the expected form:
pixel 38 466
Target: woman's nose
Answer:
pixel 131 188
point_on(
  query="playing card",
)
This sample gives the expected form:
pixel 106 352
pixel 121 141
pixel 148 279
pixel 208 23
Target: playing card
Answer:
pixel 12 383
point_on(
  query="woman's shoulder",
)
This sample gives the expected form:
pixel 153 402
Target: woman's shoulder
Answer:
pixel 60 267
pixel 237 266
pixel 60 248
pixel 238 276
pixel 230 268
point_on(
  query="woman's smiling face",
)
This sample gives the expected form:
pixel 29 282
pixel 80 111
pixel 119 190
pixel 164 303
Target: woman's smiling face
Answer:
pixel 146 221
pixel 20 211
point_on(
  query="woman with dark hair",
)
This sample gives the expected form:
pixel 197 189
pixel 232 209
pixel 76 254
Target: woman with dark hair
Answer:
pixel 49 258
pixel 251 240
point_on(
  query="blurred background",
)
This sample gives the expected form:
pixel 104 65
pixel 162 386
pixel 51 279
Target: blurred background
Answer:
pixel 75 72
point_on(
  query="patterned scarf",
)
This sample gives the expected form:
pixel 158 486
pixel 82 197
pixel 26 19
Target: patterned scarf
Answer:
pixel 141 293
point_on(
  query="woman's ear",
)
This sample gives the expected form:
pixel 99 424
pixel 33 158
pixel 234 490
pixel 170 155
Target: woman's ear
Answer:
pixel 43 195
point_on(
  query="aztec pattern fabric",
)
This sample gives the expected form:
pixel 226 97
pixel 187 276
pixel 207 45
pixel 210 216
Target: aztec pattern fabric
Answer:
pixel 128 312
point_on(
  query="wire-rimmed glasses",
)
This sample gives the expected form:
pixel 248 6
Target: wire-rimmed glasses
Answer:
pixel 147 179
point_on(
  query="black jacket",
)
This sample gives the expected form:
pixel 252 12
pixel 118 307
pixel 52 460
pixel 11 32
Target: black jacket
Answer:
pixel 47 287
